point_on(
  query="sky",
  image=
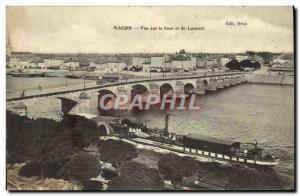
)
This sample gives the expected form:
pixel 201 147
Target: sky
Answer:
pixel 90 29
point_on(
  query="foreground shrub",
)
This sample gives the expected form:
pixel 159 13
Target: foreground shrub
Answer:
pixel 81 167
pixel 136 176
pixel 116 152
pixel 175 168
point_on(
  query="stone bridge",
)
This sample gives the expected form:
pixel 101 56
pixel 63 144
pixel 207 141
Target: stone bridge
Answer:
pixel 47 104
pixel 175 86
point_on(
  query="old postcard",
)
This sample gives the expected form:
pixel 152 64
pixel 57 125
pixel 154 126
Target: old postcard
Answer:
pixel 150 98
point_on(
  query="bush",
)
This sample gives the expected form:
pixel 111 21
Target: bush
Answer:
pixel 81 167
pixel 175 168
pixel 235 65
pixel 91 185
pixel 116 152
pixel 136 176
pixel 26 138
pixel 46 144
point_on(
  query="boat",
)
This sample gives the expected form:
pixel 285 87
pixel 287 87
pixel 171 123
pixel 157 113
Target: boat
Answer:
pixel 214 148
pixel 75 75
pixel 27 74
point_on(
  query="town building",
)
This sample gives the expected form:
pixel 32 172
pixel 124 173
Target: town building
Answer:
pixel 33 65
pixel 41 65
pixel 183 62
pixel 146 66
pixel 114 67
pixel 286 68
pixel 207 62
pixel 71 65
pixel 23 65
pixel 158 62
pixel 53 63
pixel 139 61
pixel 240 58
pixel 280 60
pixel 14 62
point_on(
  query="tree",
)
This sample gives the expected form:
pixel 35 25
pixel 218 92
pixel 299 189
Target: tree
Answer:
pixel 233 65
pixel 245 64
pixel 248 64
pixel 116 152
pixel 256 65
pixel 136 176
pixel 267 56
pixel 83 131
pixel 175 168
pixel 182 51
pixel 250 53
pixel 81 167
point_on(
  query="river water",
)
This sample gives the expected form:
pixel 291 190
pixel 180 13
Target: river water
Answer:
pixel 17 84
pixel 242 113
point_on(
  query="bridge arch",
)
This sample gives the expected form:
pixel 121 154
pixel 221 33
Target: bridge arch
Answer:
pixel 205 83
pixel 166 88
pixel 103 92
pixel 189 88
pixel 106 91
pixel 139 89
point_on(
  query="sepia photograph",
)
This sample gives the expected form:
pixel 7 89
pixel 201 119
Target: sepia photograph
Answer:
pixel 150 98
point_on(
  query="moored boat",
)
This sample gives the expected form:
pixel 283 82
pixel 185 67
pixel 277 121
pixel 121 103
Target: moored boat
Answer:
pixel 214 148
pixel 206 146
pixel 27 74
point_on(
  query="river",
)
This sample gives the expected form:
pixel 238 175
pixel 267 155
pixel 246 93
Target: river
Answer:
pixel 17 84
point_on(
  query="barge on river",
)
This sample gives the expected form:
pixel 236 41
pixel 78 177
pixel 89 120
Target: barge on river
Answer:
pixel 214 148
pixel 205 146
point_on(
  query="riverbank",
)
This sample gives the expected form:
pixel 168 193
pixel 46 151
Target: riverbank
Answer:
pixel 269 79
